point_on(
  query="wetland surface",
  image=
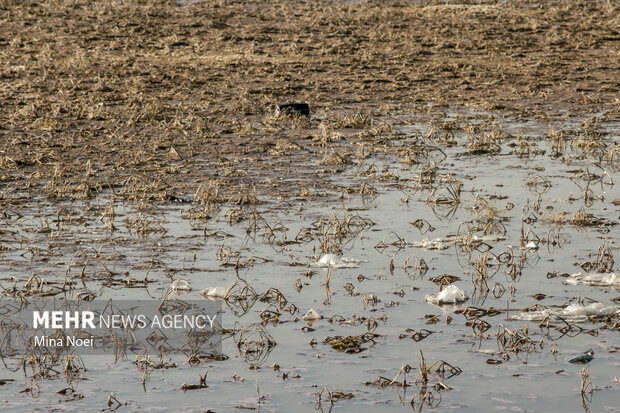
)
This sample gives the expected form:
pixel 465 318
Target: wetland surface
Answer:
pixel 473 145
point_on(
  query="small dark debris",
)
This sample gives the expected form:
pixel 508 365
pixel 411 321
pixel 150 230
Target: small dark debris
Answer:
pixel 180 200
pixel 585 358
pixel 556 274
pixel 293 109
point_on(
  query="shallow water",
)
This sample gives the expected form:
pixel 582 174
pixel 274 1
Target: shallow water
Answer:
pixel 529 381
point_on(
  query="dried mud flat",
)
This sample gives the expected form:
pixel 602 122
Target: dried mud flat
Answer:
pixel 159 97
pixel 140 149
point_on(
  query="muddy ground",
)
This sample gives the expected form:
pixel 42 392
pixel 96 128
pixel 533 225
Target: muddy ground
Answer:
pixel 153 99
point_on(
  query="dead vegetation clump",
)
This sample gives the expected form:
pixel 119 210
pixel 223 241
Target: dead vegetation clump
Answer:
pixel 336 232
pixel 358 120
pixel 602 263
pixel 581 219
pixel 516 341
pixel 254 343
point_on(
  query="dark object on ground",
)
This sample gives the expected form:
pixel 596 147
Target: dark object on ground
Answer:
pixel 585 358
pixel 293 109
pixel 179 199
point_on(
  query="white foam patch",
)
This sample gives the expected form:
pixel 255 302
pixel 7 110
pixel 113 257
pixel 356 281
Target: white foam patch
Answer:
pixel 449 295
pixel 595 278
pixel 179 285
pixel 434 244
pixel 334 261
pixel 574 313
pixel 215 292
pixel 311 315
pixel 447 242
